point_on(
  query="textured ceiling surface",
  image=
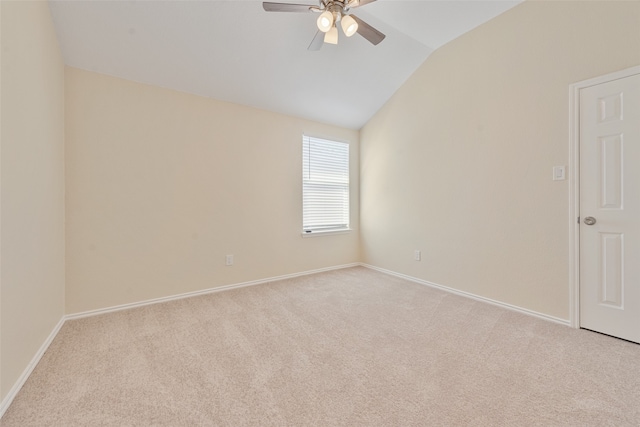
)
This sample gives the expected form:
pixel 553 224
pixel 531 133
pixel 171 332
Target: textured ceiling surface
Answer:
pixel 235 51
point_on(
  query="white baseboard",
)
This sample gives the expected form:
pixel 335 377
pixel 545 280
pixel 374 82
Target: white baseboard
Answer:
pixel 6 402
pixel 202 292
pixel 472 296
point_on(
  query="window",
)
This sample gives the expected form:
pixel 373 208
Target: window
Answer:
pixel 325 185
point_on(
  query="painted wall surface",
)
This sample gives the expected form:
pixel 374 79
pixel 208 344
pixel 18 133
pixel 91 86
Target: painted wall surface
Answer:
pixel 32 176
pixel 459 162
pixel 161 185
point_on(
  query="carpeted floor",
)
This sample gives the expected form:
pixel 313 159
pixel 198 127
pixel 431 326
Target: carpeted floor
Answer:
pixel 352 347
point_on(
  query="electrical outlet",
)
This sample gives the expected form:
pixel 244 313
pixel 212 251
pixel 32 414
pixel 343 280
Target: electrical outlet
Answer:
pixel 229 260
pixel 417 255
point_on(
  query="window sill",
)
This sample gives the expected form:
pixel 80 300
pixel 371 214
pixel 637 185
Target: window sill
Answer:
pixel 326 232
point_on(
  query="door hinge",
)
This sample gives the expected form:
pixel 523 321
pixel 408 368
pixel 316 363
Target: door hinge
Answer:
pixel 578 220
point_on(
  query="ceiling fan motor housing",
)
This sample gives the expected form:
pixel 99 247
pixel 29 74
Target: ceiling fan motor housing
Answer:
pixel 337 9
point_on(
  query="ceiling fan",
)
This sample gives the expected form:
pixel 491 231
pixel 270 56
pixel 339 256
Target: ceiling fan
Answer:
pixel 332 12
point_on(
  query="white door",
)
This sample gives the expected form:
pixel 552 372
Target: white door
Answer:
pixel 610 208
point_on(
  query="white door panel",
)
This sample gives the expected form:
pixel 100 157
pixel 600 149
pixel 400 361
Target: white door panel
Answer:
pixel 610 195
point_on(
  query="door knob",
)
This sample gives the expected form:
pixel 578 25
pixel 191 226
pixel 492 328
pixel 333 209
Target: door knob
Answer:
pixel 589 220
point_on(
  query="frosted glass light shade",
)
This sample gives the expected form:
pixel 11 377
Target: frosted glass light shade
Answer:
pixel 331 36
pixel 325 21
pixel 349 25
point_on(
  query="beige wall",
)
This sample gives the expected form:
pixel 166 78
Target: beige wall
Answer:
pixel 32 175
pixel 161 185
pixel 458 163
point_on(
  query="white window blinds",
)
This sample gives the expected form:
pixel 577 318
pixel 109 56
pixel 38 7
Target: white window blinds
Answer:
pixel 325 185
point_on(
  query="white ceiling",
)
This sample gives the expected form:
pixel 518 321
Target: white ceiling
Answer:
pixel 235 51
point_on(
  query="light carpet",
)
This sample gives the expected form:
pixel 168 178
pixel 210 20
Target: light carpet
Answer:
pixel 351 347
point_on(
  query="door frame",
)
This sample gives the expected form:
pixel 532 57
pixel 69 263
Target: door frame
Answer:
pixel 574 184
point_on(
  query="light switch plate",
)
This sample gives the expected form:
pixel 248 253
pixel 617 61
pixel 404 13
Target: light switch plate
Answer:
pixel 559 173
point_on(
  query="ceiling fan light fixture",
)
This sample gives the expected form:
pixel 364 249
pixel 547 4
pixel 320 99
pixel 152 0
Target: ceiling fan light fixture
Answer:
pixel 325 21
pixel 331 36
pixel 349 25
pixel 330 13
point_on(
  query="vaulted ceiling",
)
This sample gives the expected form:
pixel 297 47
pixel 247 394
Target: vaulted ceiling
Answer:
pixel 235 51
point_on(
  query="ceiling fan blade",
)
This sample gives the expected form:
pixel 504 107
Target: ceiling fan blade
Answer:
pixel 317 41
pixel 368 32
pixel 358 3
pixel 286 7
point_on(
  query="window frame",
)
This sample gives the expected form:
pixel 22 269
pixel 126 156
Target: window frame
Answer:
pixel 319 231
